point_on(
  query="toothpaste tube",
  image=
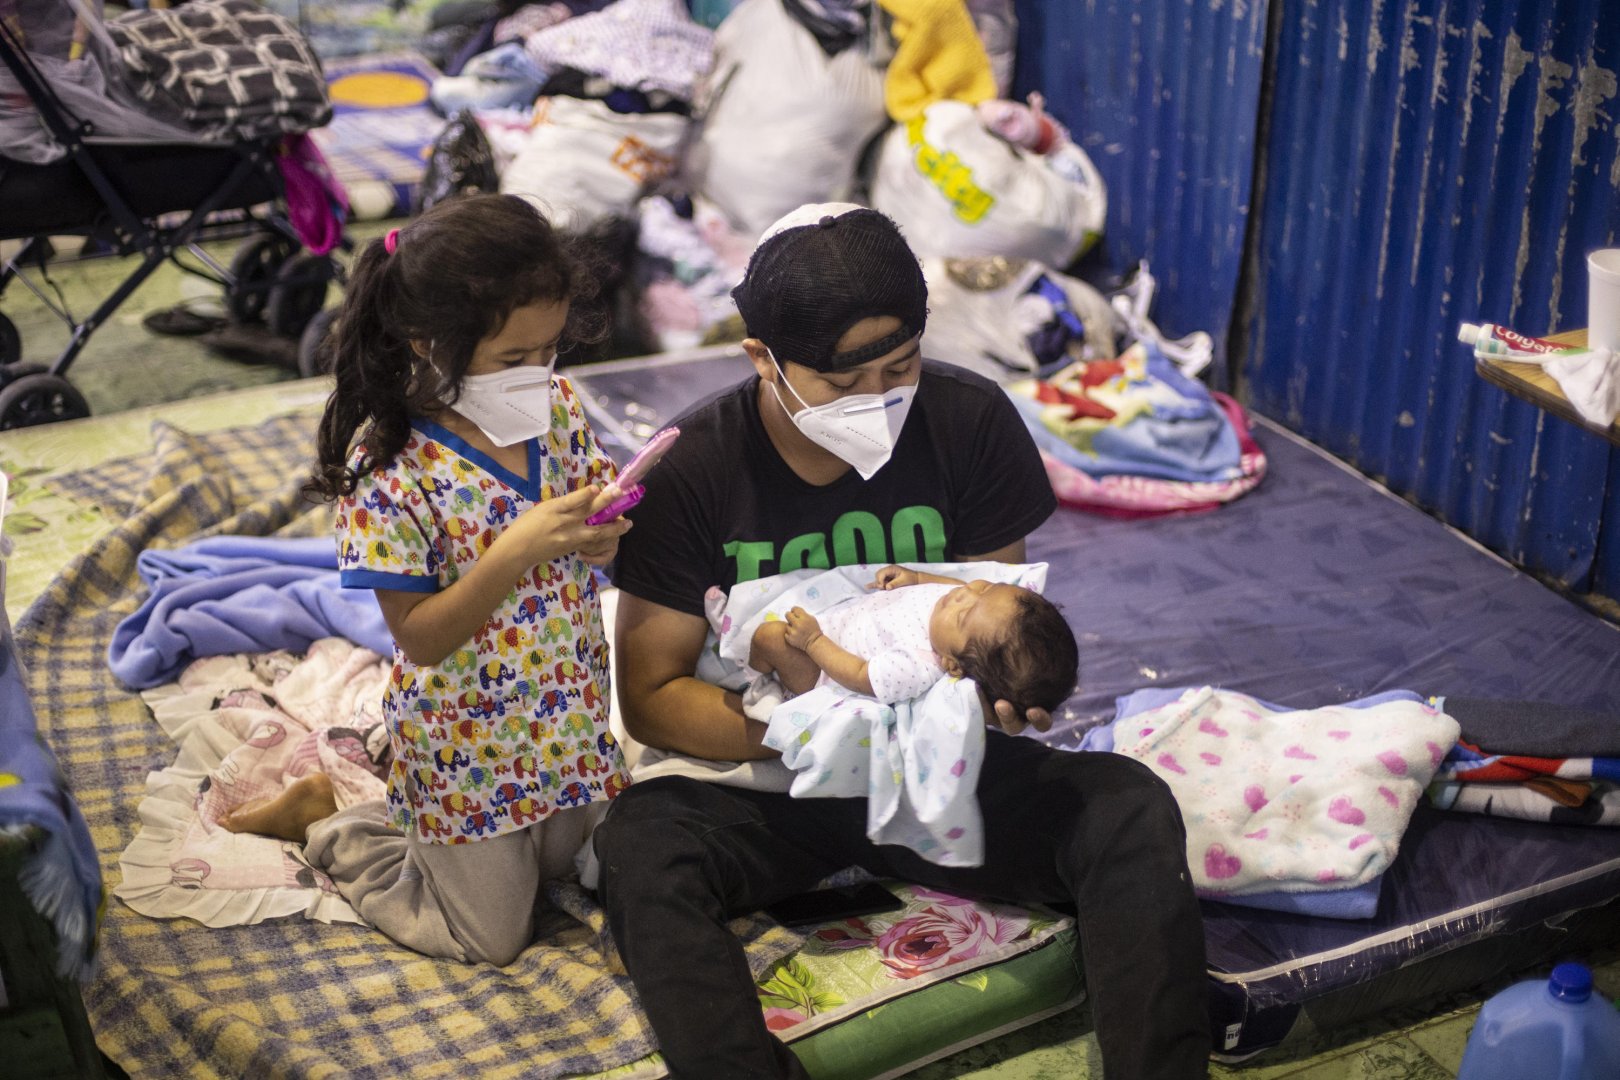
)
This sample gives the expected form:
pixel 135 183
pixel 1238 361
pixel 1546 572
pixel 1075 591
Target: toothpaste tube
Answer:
pixel 1489 339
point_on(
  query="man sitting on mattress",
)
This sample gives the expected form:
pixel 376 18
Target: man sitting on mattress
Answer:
pixel 849 448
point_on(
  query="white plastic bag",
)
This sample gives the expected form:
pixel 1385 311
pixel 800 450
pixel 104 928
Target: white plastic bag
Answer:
pixel 782 123
pixel 986 329
pixel 1192 354
pixel 583 162
pixel 957 190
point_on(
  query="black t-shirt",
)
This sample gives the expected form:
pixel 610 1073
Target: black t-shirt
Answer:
pixel 722 506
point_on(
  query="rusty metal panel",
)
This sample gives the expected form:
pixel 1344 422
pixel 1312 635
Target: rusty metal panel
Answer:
pixel 1164 97
pixel 1430 163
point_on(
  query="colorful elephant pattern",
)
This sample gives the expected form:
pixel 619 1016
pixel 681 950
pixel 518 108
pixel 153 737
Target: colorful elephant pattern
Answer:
pixel 514 725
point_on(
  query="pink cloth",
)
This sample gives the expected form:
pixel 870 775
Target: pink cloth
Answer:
pixel 317 205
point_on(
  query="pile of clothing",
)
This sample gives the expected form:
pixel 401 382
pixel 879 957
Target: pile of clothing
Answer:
pixel 674 146
pixel 1533 762
pixel 696 129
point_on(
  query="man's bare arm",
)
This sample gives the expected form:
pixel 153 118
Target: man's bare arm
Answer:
pixel 656 651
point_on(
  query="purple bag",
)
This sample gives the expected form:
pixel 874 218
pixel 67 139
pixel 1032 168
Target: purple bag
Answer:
pixel 317 205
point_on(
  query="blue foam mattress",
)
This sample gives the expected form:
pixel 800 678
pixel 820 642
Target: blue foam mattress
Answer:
pixel 1317 588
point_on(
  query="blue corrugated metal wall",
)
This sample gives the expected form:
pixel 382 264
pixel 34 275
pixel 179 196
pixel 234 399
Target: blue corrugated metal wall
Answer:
pixel 1163 96
pixel 1424 163
pixel 1431 163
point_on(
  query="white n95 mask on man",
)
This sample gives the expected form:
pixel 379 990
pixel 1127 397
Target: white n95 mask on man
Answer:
pixel 860 429
pixel 510 406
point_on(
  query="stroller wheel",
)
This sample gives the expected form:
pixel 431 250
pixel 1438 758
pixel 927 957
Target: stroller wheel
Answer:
pixel 10 373
pixel 316 345
pixel 40 399
pixel 254 269
pixel 298 294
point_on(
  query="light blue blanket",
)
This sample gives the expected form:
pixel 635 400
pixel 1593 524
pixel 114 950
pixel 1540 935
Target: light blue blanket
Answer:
pixel 1181 433
pixel 233 594
pixel 63 878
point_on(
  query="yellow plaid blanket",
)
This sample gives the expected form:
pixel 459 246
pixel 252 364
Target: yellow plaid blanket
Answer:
pixel 287 998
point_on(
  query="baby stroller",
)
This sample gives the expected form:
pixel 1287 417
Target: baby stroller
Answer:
pixel 136 184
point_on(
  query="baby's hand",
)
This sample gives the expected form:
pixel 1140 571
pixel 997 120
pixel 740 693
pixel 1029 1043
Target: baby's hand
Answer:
pixel 893 577
pixel 802 629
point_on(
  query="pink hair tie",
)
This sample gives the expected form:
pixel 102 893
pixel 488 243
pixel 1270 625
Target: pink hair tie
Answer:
pixel 391 241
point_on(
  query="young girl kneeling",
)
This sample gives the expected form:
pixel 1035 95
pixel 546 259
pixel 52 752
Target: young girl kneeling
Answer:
pixel 463 504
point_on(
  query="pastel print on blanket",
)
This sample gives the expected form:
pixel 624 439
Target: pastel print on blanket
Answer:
pixel 916 761
pixel 246 726
pixel 1289 801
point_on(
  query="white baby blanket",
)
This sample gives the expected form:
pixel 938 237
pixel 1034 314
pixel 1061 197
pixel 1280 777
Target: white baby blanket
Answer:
pixel 917 762
pixel 1288 801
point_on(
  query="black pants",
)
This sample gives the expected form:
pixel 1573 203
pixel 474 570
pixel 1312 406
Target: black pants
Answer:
pixel 679 857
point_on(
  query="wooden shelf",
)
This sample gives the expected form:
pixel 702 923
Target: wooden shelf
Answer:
pixel 1533 384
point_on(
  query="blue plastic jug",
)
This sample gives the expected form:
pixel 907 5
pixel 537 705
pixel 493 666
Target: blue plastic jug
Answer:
pixel 1553 1030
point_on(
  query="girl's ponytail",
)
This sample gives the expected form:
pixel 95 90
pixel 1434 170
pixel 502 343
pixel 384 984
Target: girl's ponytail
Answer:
pixel 373 364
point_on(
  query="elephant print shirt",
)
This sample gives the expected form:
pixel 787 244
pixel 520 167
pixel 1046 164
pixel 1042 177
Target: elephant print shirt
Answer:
pixel 513 725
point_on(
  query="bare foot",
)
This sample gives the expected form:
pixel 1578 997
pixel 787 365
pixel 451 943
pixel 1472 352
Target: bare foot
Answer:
pixel 289 815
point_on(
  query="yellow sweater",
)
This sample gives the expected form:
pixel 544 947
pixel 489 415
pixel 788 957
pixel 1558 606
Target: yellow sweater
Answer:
pixel 939 57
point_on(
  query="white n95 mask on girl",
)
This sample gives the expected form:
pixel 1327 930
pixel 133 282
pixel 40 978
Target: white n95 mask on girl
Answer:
pixel 510 406
pixel 860 429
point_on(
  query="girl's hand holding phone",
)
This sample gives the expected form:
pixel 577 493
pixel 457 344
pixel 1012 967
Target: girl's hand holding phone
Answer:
pixel 627 489
pixel 556 527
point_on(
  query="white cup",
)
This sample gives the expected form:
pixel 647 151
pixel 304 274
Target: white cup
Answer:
pixel 1603 299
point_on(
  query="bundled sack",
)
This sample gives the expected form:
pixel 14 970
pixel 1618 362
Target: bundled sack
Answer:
pixel 956 189
pixel 461 161
pixel 783 124
pixel 583 163
pixel 988 314
pixel 227 69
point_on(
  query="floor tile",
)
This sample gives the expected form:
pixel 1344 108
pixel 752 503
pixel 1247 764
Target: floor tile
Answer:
pixel 1062 1047
pixel 1443 1040
pixel 1391 1059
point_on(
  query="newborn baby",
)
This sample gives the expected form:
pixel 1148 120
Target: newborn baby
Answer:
pixel 895 643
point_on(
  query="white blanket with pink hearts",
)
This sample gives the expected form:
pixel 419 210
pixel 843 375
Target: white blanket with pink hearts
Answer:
pixel 1288 801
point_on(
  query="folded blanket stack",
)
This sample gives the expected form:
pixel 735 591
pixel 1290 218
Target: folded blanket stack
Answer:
pixel 1533 762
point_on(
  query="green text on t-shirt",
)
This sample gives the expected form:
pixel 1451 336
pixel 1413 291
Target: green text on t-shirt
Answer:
pixel 915 534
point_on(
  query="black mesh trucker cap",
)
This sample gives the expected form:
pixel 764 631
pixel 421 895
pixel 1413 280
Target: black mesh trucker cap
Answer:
pixel 820 270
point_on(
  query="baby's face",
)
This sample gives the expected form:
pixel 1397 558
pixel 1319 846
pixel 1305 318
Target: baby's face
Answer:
pixel 977 611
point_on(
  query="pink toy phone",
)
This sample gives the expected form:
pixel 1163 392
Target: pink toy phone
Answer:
pixel 629 480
